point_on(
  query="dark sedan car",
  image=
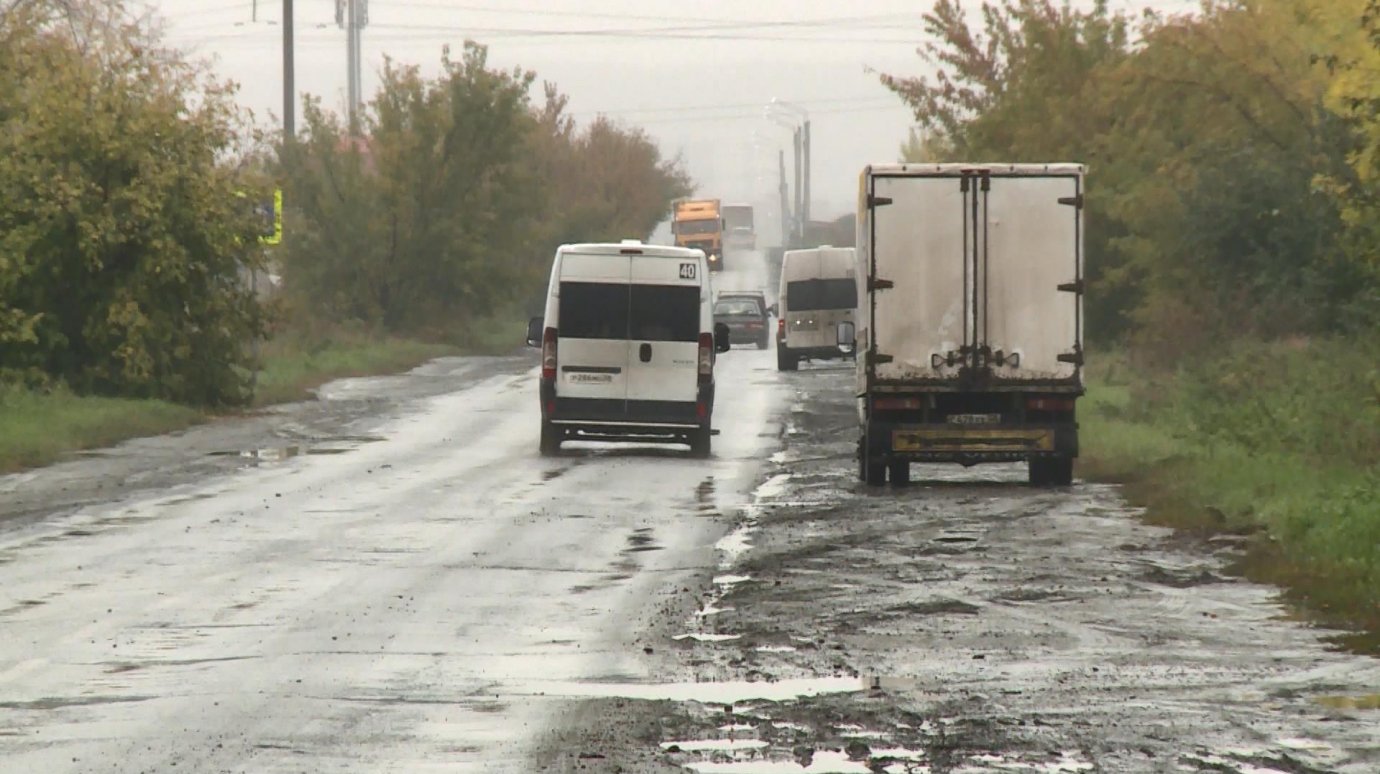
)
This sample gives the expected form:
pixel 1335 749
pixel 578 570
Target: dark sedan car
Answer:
pixel 745 313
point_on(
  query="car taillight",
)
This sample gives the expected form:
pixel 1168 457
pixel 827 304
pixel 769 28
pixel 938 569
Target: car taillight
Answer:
pixel 781 326
pixel 548 354
pixel 706 357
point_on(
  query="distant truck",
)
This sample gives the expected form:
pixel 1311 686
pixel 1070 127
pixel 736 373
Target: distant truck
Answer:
pixel 969 330
pixel 699 224
pixel 740 234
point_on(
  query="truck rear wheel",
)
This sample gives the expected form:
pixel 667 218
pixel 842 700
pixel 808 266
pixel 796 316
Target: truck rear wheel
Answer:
pixel 1051 471
pixel 785 361
pixel 899 471
pixel 699 442
pixel 551 438
pixel 870 471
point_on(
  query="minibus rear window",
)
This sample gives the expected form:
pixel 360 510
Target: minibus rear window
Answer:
pixel 593 310
pixel 665 313
pixel 817 294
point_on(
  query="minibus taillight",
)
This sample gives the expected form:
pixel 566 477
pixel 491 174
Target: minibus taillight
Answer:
pixel 706 357
pixel 781 327
pixel 548 354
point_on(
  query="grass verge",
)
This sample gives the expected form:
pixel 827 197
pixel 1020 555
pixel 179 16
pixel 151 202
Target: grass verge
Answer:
pixel 295 364
pixel 39 428
pixel 1277 443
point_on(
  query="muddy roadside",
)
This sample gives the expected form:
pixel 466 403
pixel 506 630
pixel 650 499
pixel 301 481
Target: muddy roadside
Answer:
pixel 970 623
pixel 345 414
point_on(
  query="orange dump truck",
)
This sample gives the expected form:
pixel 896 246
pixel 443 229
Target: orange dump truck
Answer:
pixel 699 224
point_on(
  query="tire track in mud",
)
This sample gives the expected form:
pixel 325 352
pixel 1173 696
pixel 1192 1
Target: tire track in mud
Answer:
pixel 988 627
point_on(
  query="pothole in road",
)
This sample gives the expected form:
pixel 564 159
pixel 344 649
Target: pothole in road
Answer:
pixel 726 693
pixel 955 539
pixel 272 454
pixel 1180 580
pixel 707 637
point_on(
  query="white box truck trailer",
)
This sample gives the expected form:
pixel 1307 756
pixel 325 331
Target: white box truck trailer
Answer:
pixel 969 329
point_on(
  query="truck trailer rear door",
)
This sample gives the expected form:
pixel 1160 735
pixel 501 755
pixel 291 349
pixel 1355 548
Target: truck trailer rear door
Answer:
pixel 976 269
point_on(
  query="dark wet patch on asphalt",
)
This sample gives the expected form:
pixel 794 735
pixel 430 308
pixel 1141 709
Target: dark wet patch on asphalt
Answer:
pixel 936 607
pixel 704 494
pixel 63 702
pixel 1034 595
pixel 641 540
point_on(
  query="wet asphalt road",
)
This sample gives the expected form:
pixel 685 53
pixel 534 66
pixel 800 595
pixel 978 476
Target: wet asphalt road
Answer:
pixel 398 601
pixel 391 579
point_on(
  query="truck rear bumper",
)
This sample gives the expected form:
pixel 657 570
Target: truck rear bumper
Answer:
pixel 970 445
pixel 818 353
pixel 611 418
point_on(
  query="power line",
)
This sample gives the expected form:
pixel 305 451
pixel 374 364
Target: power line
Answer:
pixel 744 116
pixel 719 32
pixel 410 34
pixel 759 105
pixel 698 23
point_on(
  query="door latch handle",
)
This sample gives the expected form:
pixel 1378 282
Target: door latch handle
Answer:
pixel 644 353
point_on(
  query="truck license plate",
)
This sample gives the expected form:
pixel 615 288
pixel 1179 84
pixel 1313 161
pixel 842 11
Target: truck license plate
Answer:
pixel 975 419
pixel 579 378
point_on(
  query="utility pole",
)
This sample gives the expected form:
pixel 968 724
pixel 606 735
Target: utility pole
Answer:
pixel 353 16
pixel 289 77
pixel 805 196
pixel 785 201
pixel 797 226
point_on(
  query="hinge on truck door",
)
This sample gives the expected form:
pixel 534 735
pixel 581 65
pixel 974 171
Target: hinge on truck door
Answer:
pixel 877 358
pixel 1072 287
pixel 1075 357
pixel 877 283
pixel 874 201
pixel 1072 201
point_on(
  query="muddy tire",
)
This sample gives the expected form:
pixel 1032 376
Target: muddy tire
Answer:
pixel 871 472
pixel 899 472
pixel 762 343
pixel 1061 471
pixel 1051 471
pixel 551 438
pixel 785 361
pixel 700 442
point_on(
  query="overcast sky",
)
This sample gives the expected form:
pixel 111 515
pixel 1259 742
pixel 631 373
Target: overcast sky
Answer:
pixel 697 77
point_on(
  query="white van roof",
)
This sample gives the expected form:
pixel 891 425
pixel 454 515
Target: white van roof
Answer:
pixel 822 250
pixel 611 248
